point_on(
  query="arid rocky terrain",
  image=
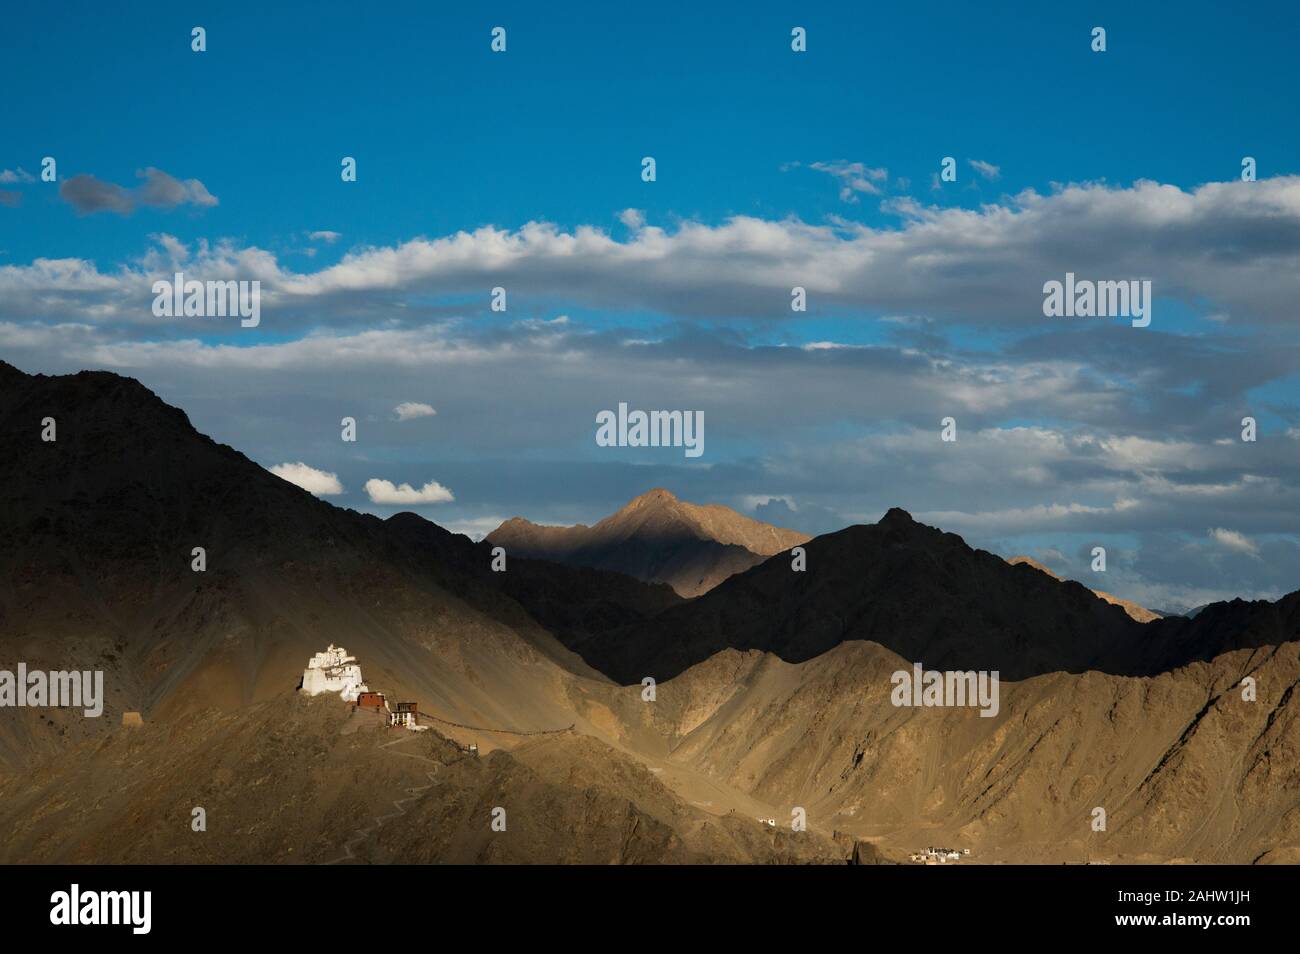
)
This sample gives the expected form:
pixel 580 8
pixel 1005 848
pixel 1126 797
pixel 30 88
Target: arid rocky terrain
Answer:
pixel 772 689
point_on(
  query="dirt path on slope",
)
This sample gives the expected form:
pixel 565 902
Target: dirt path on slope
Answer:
pixel 399 804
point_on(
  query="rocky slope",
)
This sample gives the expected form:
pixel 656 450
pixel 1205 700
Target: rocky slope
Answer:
pixel 309 781
pixel 1184 766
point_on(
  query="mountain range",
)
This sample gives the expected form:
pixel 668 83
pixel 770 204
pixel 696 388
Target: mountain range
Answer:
pixel 769 691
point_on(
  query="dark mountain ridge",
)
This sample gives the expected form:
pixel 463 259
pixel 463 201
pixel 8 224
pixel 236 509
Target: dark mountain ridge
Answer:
pixel 929 597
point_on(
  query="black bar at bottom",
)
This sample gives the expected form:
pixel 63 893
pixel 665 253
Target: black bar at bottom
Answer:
pixel 267 904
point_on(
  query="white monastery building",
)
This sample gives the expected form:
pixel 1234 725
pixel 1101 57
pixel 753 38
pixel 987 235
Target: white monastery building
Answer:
pixel 333 671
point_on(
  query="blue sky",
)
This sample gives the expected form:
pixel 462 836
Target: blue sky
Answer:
pixel 924 296
pixel 449 135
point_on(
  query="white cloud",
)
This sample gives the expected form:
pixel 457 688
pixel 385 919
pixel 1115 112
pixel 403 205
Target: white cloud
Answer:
pixel 1232 540
pixel 325 235
pixel 854 177
pixel 986 169
pixel 10 176
pixel 385 492
pixel 632 218
pixel 318 482
pixel 409 410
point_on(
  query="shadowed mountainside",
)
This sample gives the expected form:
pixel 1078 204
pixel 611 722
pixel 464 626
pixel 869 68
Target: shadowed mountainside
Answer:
pixel 98 530
pixel 1139 613
pixel 927 596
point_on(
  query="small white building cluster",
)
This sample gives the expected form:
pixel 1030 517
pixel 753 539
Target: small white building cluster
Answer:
pixel 406 717
pixel 333 671
pixel 938 856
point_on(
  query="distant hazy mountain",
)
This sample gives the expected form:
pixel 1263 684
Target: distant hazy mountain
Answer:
pixel 656 538
pixel 1139 613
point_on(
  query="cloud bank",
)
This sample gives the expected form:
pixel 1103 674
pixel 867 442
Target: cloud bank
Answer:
pixel 1233 245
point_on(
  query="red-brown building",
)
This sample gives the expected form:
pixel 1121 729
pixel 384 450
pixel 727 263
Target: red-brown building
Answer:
pixel 372 700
